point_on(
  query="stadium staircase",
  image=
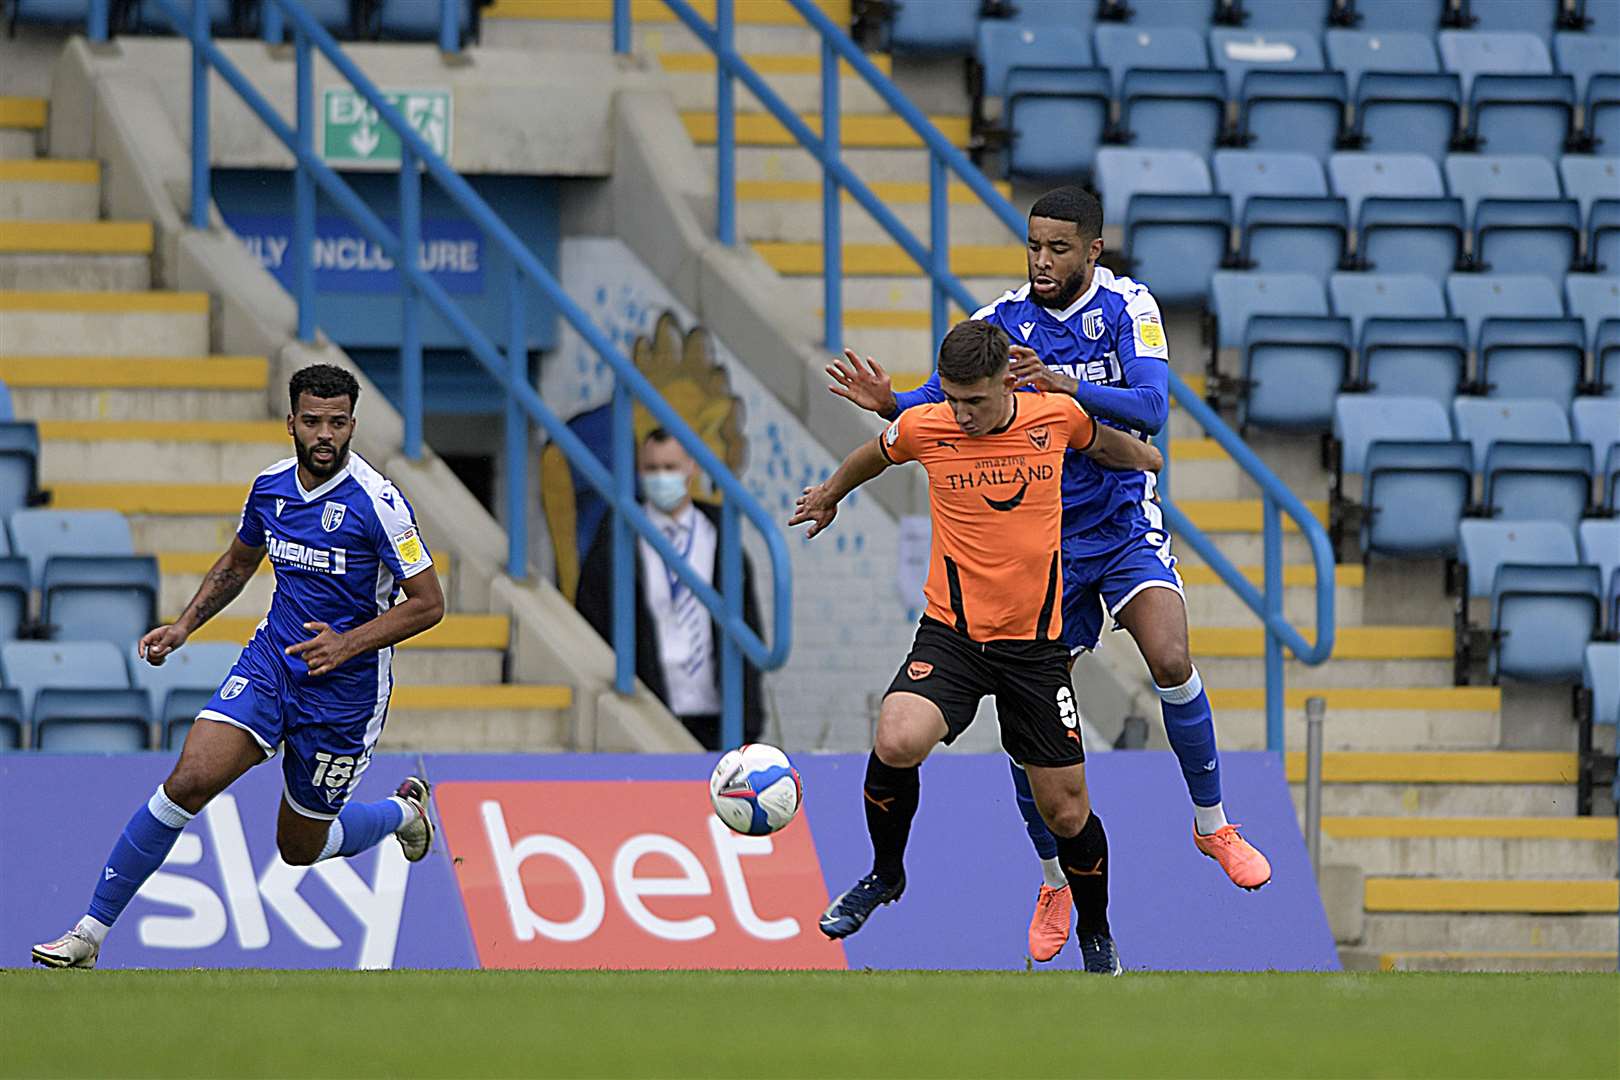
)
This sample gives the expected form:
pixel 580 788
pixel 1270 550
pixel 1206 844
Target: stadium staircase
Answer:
pixel 135 415
pixel 1444 849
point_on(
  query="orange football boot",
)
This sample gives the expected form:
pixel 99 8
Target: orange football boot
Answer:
pixel 1049 928
pixel 1241 860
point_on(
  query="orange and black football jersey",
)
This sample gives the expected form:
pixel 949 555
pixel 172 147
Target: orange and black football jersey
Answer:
pixel 997 507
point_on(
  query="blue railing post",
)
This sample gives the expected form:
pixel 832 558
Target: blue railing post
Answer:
pixel 304 189
pixel 96 30
pixel 199 117
pixel 832 223
pixel 272 26
pixel 450 25
pixel 731 665
pixel 517 432
pixel 624 552
pixel 621 26
pixel 939 247
pixel 1273 597
pixel 725 113
pixel 410 337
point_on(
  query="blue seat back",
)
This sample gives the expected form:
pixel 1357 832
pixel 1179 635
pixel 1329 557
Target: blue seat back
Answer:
pixel 1310 16
pixel 13 721
pixel 1538 481
pixel 1482 422
pixel 1178 242
pixel 1601 16
pixel 1237 297
pixel 1173 110
pixel 1606 358
pixel 1477 297
pixel 419 20
pixel 1533 358
pixel 1121 49
pixel 1600 546
pixel 1603 235
pixel 1003 46
pixel 30 666
pixel 942 28
pixel 1544 616
pixel 1405 176
pixel 1472 177
pixel 100 597
pixel 1407 113
pixel 1239 52
pixel 1522 114
pixel 1419 16
pixel 1295 367
pixel 15 585
pixel 6 410
pixel 1539 236
pixel 1241 173
pixel 1122 174
pixel 1364 296
pixel 1359 420
pixel 1300 111
pixel 39 534
pixel 1057 119
pixel 1295 235
pixel 1601 674
pixel 1592 298
pixel 152 19
pixel 1597 424
pixel 1415 494
pixel 1355 52
pixel 1079 13
pixel 1538 17
pixel 1193 14
pixel 19 464
pixel 1486 545
pixel 1422 236
pixel 1602 110
pixel 1470 53
pixel 71 720
pixel 1583 55
pixel 1425 358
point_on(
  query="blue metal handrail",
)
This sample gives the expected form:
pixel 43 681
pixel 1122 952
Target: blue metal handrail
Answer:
pixel 836 45
pixel 510 372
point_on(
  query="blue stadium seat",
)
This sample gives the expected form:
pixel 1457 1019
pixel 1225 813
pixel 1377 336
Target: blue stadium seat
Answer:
pixel 1055 120
pixel 1178 242
pixel 1481 423
pixel 930 27
pixel 1403 52
pixel 1542 618
pixel 1470 53
pixel 1414 357
pixel 49 12
pixel 1002 47
pixel 1196 14
pixel 1603 236
pixel 1600 547
pixel 1419 16
pixel 1294 366
pixel 80 670
pixel 1310 16
pixel 1538 481
pixel 1241 173
pixel 1477 297
pixel 1593 298
pixel 1600 16
pixel 1589 180
pixel 40 534
pixel 100 597
pixel 1400 176
pixel 1076 13
pixel 1401 296
pixel 1288 222
pixel 1476 177
pixel 68 720
pixel 1600 675
pixel 1299 111
pixel 13 721
pixel 6 410
pixel 419 20
pixel 1404 220
pixel 1538 17
pixel 184 683
pixel 1521 114
pixel 1403 102
pixel 1532 358
pixel 1582 56
pixel 1606 359
pixel 1238 297
pixel 1597 424
pixel 1150 48
pixel 153 20
pixel 1238 52
pixel 19 464
pixel 1122 174
pixel 1170 109
pixel 15 587
pixel 1539 236
pixel 1601 109
pixel 1417 480
pixel 1486 546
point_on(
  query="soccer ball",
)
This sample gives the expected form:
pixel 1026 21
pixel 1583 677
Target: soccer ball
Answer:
pixel 755 789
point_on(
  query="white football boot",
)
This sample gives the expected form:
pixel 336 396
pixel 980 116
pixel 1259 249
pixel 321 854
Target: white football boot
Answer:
pixel 416 835
pixel 74 949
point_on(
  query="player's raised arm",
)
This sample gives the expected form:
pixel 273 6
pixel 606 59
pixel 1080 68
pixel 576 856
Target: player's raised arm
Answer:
pixel 869 386
pixel 819 505
pixel 223 583
pixel 1113 449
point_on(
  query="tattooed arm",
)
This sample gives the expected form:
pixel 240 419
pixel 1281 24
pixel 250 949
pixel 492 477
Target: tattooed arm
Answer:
pixel 223 583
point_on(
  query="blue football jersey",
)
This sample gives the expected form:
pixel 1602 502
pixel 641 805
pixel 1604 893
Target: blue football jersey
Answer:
pixel 339 553
pixel 1112 327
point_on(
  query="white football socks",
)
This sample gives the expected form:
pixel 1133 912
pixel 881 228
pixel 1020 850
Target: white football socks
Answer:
pixel 406 809
pixel 1053 874
pixel 1209 819
pixel 93 929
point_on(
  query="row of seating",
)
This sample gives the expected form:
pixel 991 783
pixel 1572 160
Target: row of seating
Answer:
pixel 81 564
pixel 96 696
pixel 1399 335
pixel 1281 213
pixel 1597 703
pixel 1386 92
pixel 949 26
pixel 351 20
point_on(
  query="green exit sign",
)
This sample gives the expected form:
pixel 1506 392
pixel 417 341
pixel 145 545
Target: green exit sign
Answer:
pixel 353 132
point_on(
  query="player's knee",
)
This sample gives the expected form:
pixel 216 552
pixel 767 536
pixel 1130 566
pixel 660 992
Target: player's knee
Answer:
pixel 1171 666
pixel 297 850
pixel 188 789
pixel 1067 820
pixel 898 748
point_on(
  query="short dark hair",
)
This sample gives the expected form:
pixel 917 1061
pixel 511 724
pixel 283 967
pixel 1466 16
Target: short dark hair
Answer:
pixel 1074 204
pixel 657 435
pixel 973 350
pixel 325 381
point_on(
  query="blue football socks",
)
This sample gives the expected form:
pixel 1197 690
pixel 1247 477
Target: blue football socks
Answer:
pixel 140 850
pixel 1039 835
pixel 1190 726
pixel 361 826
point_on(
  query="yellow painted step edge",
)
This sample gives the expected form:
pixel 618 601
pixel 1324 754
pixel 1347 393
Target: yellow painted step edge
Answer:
pixel 889 260
pixel 206 431
pixel 455 632
pixel 483 697
pixel 888 191
pixel 76 237
pixel 1345 576
pixel 1383 698
pixel 1454 767
pixel 1350 642
pixel 1558 897
pixel 1520 828
pixel 197 563
pixel 136 372
pixel 703 63
pixel 868 130
pixel 1239 515
pixel 22 112
pixel 176 499
pixel 748 13
pixel 1391 961
pixel 48 171
pixel 81 303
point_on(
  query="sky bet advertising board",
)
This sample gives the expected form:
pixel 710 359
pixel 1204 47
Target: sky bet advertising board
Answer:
pixel 609 861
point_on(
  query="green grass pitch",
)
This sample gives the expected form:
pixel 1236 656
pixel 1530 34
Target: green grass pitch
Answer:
pixel 889 1025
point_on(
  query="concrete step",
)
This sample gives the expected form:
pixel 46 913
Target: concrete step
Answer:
pixel 455 729
pixel 868 131
pixel 1538 960
pixel 183 572
pixel 1388 725
pixel 1393 931
pixel 1482 847
pixel 793 215
pixel 889 260
pixel 46 190
pixel 1566 896
pixel 105 323
pixel 1497 767
pixel 136 388
pixel 1441 800
pixel 207 533
pixel 773 163
pixel 455 633
pixel 22 119
pixel 1241 546
pixel 907 298
pixel 1362 656
pixel 795 77
pixel 69 255
pixel 1211 601
pixel 133 451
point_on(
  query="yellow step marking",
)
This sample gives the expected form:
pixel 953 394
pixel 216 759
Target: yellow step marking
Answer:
pixel 106 303
pixel 1238 515
pixel 1196 450
pixel 211 431
pixel 1521 828
pixel 136 372
pixel 703 63
pixel 1349 643
pixel 484 697
pixel 1391 961
pixel 1195 383
pixel 198 563
pixel 858 130
pixel 1454 767
pixel 746 12
pixel 48 171
pixel 455 632
pixel 1345 576
pixel 889 260
pixel 890 319
pixel 179 499
pixel 908 380
pixel 76 237
pixel 1417 698
pixel 22 112
pixel 1549 897
pixel 889 192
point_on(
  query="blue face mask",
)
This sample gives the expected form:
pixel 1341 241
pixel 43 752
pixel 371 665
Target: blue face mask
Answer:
pixel 664 489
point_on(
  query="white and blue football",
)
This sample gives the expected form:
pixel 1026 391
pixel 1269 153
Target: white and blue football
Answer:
pixel 755 790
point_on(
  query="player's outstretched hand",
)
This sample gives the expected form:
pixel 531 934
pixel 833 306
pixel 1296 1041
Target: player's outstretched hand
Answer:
pixel 816 507
pixel 323 652
pixel 1030 370
pixel 863 382
pixel 156 645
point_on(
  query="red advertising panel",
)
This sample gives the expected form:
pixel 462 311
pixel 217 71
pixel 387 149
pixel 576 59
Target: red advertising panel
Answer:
pixel 588 874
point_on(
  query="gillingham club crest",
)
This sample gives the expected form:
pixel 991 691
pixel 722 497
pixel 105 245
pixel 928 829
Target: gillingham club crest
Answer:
pixel 1092 325
pixel 332 516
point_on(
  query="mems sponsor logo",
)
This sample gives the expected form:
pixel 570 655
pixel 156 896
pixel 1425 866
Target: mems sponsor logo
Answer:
pixel 317 560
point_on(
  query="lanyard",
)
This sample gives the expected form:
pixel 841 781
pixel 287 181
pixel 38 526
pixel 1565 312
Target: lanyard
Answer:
pixel 670 576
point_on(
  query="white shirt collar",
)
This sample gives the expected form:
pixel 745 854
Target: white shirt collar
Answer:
pixel 326 488
pixel 684 520
pixel 1081 301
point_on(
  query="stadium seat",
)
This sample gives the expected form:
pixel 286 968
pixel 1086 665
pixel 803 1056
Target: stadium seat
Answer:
pixel 1055 120
pixel 1239 52
pixel 1542 618
pixel 1521 114
pixel 1077 13
pixel 1402 296
pixel 1356 52
pixel 1294 367
pixel 1417 480
pixel 1600 546
pixel 1485 546
pixel 185 681
pixel 1122 174
pixel 19 465
pixel 1419 16
pixel 1310 16
pixel 1470 54
pixel 40 534
pixel 1606 359
pixel 1532 358
pixel 1600 677
pixel 1404 220
pixel 1403 102
pixel 6 410
pixel 100 598
pixel 1242 173
pixel 1288 222
pixel 1414 357
pixel 1402 176
pixel 1540 236
pixel 1601 109
pixel 1149 48
pixel 67 720
pixel 1476 177
pixel 1597 424
pixel 1593 298
pixel 946 28
pixel 1195 14
pixel 419 20
pixel 1582 56
pixel 1238 297
pixel 1590 180
pixel 1603 236
pixel 1300 111
pixel 1600 16
pixel 1178 242
pixel 31 666
pixel 1538 17
pixel 1538 481
pixel 1171 109
pixel 153 20
pixel 49 12
pixel 1477 297
pixel 13 721
pixel 1481 423
pixel 1002 47
pixel 15 587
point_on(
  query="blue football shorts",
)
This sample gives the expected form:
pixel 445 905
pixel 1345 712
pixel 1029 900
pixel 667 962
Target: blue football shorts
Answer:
pixel 326 735
pixel 1110 580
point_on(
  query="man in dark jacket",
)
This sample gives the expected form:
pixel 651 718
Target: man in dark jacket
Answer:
pixel 677 642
